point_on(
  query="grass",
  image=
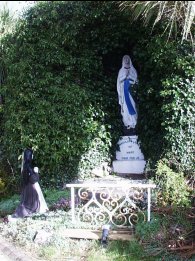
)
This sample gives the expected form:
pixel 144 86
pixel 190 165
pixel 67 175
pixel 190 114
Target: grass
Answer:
pixel 120 251
pixel 23 233
pixel 52 196
pixel 8 205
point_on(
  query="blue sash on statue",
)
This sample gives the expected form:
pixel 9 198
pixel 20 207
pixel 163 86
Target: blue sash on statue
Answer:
pixel 127 98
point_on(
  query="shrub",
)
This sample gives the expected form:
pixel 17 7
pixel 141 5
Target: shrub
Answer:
pixel 178 115
pixel 173 189
pixel 149 230
pixel 2 185
pixel 166 122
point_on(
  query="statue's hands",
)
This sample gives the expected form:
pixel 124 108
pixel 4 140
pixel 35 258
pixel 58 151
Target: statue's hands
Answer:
pixel 127 73
pixel 31 172
pixel 122 78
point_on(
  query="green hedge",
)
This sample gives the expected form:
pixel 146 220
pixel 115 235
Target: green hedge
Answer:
pixel 167 102
pixel 60 93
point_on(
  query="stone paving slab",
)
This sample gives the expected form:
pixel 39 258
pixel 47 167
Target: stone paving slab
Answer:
pixel 9 252
pixel 3 257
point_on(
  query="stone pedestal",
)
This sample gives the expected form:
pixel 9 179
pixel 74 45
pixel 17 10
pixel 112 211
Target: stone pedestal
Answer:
pixel 129 158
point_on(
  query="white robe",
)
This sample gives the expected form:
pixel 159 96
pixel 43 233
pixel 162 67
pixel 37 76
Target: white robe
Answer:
pixel 126 72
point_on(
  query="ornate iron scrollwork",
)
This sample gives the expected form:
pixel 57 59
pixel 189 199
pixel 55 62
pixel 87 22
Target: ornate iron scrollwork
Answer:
pixel 116 206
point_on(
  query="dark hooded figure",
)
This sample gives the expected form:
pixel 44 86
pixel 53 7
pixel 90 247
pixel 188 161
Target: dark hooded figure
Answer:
pixel 26 169
pixel 32 199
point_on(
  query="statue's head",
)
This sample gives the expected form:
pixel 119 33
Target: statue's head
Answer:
pixel 28 155
pixel 126 62
pixel 36 169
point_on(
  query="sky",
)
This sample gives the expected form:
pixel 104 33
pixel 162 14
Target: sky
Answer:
pixel 16 7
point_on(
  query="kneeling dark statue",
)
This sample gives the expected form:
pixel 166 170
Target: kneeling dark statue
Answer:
pixel 32 199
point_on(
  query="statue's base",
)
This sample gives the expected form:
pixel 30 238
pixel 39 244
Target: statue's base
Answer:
pixel 129 166
pixel 129 158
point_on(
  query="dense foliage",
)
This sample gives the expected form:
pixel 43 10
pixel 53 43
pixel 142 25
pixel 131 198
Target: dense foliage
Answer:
pixel 166 102
pixel 60 92
pixel 172 188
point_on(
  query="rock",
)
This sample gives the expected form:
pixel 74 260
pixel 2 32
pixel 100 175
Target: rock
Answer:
pixel 102 170
pixel 42 237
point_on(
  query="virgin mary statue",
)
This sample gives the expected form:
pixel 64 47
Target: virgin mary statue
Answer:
pixel 127 76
